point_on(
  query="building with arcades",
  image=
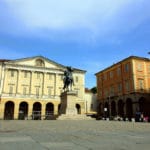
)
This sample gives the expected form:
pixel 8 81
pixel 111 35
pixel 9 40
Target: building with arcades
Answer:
pixel 31 88
pixel 124 88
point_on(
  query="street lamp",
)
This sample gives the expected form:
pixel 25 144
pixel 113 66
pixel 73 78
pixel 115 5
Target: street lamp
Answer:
pixel 109 107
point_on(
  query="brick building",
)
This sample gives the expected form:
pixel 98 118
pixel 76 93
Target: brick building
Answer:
pixel 124 88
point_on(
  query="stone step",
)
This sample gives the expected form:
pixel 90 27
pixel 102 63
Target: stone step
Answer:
pixel 74 117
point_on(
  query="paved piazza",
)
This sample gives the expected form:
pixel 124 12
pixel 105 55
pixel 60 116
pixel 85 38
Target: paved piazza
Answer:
pixel 74 135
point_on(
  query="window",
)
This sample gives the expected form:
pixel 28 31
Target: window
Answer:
pixel 37 91
pixel 12 73
pixel 11 89
pixel 141 84
pixel 105 76
pixel 119 87
pixel 76 79
pixel 127 85
pixel 111 90
pixel 127 67
pixel 50 76
pixel 139 67
pixel 149 68
pixel 24 90
pixel 111 74
pixel 118 71
pixel 25 74
pixel 38 75
pixel 49 91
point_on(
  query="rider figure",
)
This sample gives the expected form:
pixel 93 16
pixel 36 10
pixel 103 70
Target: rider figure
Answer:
pixel 68 78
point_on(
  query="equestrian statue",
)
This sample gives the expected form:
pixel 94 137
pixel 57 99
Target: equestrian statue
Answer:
pixel 68 79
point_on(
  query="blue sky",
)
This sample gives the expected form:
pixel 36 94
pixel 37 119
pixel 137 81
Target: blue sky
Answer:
pixel 85 34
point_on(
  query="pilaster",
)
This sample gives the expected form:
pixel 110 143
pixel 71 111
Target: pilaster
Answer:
pixel 16 111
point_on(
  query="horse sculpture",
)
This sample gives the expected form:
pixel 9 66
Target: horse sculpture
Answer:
pixel 68 79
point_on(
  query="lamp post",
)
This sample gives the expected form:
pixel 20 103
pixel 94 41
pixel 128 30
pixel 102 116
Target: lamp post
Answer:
pixel 109 107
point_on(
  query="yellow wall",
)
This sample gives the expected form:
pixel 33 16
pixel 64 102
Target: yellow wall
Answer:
pixel 50 77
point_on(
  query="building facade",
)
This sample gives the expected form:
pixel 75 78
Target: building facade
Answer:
pixel 124 88
pixel 90 103
pixel 31 88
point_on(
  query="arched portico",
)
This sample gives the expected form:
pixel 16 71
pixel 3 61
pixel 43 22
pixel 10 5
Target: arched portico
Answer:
pixel 59 107
pixel 113 108
pixel 106 109
pixel 144 106
pixel 99 109
pixel 36 113
pixel 129 108
pixel 23 110
pixel 9 110
pixel 78 107
pixel 121 108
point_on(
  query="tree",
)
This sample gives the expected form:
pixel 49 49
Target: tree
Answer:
pixel 94 90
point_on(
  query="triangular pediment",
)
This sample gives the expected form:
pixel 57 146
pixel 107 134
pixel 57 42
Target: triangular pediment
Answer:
pixel 37 61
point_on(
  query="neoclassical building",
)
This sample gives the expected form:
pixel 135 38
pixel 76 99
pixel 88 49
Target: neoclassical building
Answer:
pixel 31 88
pixel 124 88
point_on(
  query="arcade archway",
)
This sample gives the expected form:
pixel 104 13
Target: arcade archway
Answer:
pixel 9 110
pixel 129 108
pixel 113 108
pixel 120 108
pixel 36 113
pixel 78 107
pixel 23 110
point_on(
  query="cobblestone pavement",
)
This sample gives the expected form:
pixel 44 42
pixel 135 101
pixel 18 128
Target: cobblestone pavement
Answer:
pixel 74 135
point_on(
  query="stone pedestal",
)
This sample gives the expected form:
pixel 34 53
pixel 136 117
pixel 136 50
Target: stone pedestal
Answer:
pixel 68 110
pixel 68 103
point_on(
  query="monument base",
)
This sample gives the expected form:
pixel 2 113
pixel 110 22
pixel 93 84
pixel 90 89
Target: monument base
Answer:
pixel 68 110
pixel 68 103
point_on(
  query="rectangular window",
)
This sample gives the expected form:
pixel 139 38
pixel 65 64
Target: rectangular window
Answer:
pixel 127 85
pixel 76 79
pixel 37 91
pixel 12 73
pixel 24 90
pixel 25 74
pixel 11 89
pixel 139 67
pixel 111 90
pixel 149 68
pixel 38 75
pixel 49 91
pixel 111 74
pixel 105 76
pixel 127 67
pixel 50 76
pixel 141 84
pixel 119 87
pixel 118 71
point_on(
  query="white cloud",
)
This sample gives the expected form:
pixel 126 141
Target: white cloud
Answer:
pixel 95 17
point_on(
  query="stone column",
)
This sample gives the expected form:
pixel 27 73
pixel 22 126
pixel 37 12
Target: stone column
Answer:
pixel 43 111
pixel 16 111
pixel 18 75
pixel 30 109
pixel 55 84
pixel 2 109
pixel 55 109
pixel 30 88
pixel 43 83
pixel 2 79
